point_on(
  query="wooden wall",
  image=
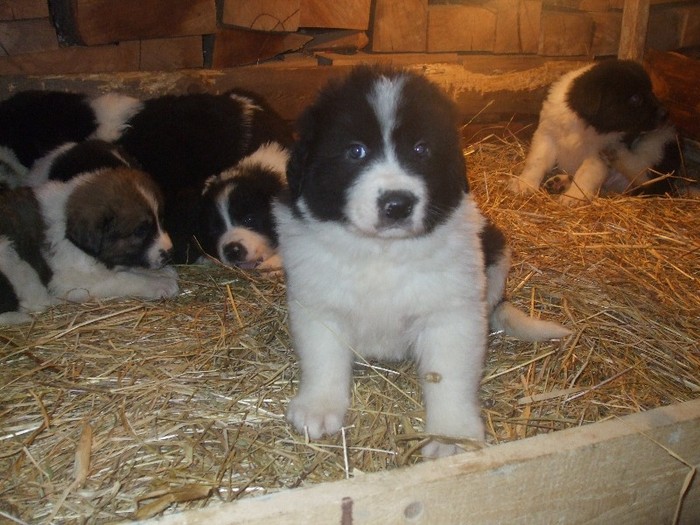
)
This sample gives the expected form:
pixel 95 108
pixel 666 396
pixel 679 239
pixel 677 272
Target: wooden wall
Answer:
pixel 90 36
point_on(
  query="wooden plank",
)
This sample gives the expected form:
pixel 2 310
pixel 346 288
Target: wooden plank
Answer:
pixel 606 38
pixel 23 9
pixel 342 39
pixel 627 471
pixel 235 47
pixel 676 81
pixel 27 36
pixel 494 87
pixel 565 33
pixel 93 22
pixel 262 15
pixel 690 33
pixel 338 14
pixel 517 26
pixel 400 26
pixel 635 18
pixel 461 28
pixel 74 60
pixel 167 54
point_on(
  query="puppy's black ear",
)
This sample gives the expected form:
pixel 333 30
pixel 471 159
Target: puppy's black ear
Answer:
pixel 585 97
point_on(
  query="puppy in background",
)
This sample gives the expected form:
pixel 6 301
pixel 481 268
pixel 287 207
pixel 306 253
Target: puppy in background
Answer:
pixel 601 125
pixel 183 140
pixel 236 224
pixel 98 235
pixel 387 256
pixel 34 123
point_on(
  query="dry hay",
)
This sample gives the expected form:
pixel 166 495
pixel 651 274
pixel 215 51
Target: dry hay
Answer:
pixel 127 409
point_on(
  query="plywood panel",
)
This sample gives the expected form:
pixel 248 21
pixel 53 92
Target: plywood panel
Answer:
pixel 23 9
pixel 566 34
pixel 27 36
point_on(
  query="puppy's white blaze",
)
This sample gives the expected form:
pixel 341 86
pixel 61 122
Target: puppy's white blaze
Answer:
pixel 384 99
pixel 112 112
pixel 386 174
pixel 161 242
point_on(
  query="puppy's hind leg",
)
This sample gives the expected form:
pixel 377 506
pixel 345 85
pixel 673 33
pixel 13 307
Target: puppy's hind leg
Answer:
pixel 540 159
pixel 450 352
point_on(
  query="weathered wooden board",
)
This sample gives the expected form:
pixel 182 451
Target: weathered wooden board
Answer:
pixel 22 9
pixel 566 33
pixel 235 47
pixel 495 88
pixel 74 60
pixel 517 26
pixel 338 14
pixel 635 18
pixel 27 36
pixel 637 469
pixel 461 28
pixel 262 15
pixel 400 26
pixel 167 54
pixel 93 22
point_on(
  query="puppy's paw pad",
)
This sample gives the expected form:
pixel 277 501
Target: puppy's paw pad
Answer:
pixel 316 417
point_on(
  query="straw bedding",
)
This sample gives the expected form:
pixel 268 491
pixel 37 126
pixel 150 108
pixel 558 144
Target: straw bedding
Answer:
pixel 127 409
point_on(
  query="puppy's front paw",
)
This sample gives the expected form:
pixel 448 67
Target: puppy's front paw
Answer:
pixel 317 416
pixel 437 449
pixel 573 197
pixel 159 284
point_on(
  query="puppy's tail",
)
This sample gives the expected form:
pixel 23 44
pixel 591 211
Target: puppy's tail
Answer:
pixel 507 318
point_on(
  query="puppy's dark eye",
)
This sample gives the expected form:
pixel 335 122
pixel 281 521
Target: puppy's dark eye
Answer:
pixel 249 221
pixel 357 151
pixel 636 100
pixel 421 149
pixel 142 229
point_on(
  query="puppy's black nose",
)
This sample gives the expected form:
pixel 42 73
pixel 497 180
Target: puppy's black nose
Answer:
pixel 235 252
pixel 396 205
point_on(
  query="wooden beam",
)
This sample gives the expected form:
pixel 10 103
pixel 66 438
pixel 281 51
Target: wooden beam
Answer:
pixel 637 469
pixel 633 34
pixel 491 87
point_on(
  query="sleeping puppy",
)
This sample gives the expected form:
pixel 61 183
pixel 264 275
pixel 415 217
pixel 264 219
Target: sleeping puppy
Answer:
pixel 96 236
pixel 236 224
pixel 33 123
pixel 603 126
pixel 387 256
pixel 182 140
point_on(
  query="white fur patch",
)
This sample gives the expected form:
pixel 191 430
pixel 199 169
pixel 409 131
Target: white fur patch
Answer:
pixel 112 112
pixel 32 294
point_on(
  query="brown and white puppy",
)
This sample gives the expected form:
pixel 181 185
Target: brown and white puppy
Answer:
pixel 387 255
pixel 604 128
pixel 98 235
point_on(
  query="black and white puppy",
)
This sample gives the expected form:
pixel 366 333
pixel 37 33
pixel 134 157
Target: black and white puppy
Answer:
pixel 34 123
pixel 182 140
pixel 236 224
pixel 98 235
pixel 602 126
pixel 387 256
